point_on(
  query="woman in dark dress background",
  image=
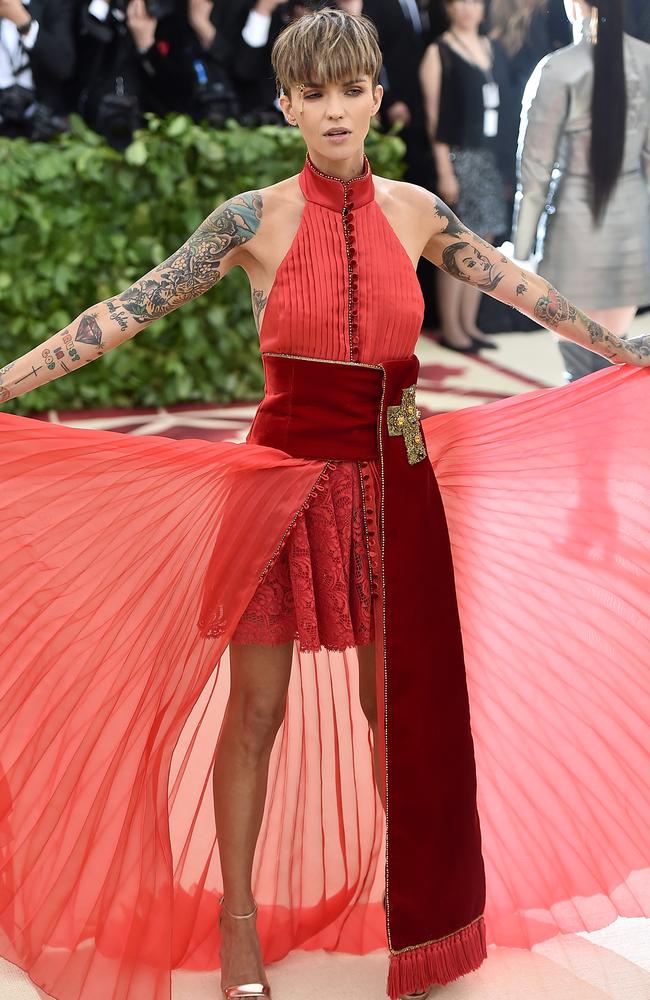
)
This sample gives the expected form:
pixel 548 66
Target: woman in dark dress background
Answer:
pixel 466 87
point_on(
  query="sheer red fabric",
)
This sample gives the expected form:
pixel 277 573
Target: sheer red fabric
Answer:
pixel 111 700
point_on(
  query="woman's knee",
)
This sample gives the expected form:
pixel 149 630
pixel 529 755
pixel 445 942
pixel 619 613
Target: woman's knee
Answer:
pixel 258 693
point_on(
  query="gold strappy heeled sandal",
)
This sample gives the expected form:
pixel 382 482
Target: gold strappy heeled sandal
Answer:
pixel 243 991
pixel 411 996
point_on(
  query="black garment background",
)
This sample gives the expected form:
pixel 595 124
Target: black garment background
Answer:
pixel 52 59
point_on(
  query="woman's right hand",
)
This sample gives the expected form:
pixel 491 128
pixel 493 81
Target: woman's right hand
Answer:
pixel 449 188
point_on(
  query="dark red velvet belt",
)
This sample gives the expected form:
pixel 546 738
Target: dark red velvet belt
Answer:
pixel 435 878
pixel 318 409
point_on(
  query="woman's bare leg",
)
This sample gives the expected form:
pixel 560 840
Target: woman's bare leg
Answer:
pixel 256 707
pixel 450 293
pixel 368 699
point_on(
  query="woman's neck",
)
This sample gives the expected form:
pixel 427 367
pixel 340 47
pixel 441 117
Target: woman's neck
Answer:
pixel 344 170
pixel 466 34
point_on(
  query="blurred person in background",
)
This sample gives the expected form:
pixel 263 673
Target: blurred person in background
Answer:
pixel 527 30
pixel 133 57
pixel 584 166
pixel 403 29
pixel 37 55
pixel 249 29
pixel 466 90
pixel 637 18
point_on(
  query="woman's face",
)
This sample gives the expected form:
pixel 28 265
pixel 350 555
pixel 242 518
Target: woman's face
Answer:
pixel 348 105
pixel 466 15
pixel 472 264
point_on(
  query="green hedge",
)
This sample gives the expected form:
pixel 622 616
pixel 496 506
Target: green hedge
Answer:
pixel 79 222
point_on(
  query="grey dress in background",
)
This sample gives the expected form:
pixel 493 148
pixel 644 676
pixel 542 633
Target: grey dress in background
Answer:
pixel 595 267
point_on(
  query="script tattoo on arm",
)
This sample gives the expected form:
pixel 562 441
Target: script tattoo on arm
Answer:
pixel 195 266
pixel 118 315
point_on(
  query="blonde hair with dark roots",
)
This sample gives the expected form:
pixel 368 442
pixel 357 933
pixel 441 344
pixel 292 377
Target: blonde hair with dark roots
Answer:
pixel 326 46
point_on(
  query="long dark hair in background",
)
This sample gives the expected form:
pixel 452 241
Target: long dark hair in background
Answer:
pixel 608 106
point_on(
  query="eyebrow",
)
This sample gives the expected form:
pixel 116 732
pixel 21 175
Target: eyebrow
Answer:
pixel 346 84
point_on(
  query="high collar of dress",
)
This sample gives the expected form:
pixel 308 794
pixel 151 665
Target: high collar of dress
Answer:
pixel 330 191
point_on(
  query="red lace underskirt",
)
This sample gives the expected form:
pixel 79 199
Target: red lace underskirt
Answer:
pixel 318 590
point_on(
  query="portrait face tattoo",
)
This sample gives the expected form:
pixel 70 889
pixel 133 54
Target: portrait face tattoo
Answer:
pixel 464 261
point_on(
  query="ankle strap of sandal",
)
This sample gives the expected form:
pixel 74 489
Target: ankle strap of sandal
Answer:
pixel 237 916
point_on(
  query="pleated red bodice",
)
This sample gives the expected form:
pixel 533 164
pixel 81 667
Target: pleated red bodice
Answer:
pixel 347 288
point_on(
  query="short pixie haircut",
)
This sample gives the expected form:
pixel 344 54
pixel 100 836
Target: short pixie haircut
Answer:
pixel 326 46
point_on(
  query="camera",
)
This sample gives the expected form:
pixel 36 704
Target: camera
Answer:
pixel 118 115
pixel 214 99
pixel 22 115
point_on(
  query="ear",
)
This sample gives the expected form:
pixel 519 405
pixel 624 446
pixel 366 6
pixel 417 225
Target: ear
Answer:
pixel 287 110
pixel 377 95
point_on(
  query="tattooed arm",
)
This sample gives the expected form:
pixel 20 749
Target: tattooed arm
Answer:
pixel 206 257
pixel 463 254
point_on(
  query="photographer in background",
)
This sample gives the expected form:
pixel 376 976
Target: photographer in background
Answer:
pixel 134 57
pixel 36 56
pixel 215 98
pixel 250 28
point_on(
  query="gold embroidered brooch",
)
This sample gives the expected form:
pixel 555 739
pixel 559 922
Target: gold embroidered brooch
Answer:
pixel 405 420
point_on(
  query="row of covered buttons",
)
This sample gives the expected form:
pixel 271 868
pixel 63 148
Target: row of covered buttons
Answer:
pixel 373 548
pixel 353 318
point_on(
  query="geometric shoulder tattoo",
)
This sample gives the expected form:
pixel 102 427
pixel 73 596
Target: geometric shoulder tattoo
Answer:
pixel 194 267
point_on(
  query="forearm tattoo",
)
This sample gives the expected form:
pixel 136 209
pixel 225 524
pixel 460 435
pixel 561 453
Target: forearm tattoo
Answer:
pixel 89 331
pixel 194 268
pixel 118 316
pixel 553 309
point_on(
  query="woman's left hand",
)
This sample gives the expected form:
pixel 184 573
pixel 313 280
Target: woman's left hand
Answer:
pixel 637 352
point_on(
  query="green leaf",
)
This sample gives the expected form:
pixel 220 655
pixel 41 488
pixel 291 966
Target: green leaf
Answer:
pixel 136 153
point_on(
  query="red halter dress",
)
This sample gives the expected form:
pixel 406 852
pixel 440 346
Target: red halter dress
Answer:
pixel 319 589
pixel 112 697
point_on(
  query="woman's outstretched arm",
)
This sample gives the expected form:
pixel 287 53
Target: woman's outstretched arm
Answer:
pixel 463 254
pixel 206 257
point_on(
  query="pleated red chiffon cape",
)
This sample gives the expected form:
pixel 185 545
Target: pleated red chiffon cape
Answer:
pixel 112 698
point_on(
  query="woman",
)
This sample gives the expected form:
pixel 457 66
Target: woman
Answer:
pixel 528 30
pixel 309 561
pixel 587 109
pixel 464 78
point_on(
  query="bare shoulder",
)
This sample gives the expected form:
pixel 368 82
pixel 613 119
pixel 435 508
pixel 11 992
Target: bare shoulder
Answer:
pixel 280 206
pixel 426 211
pixel 401 194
